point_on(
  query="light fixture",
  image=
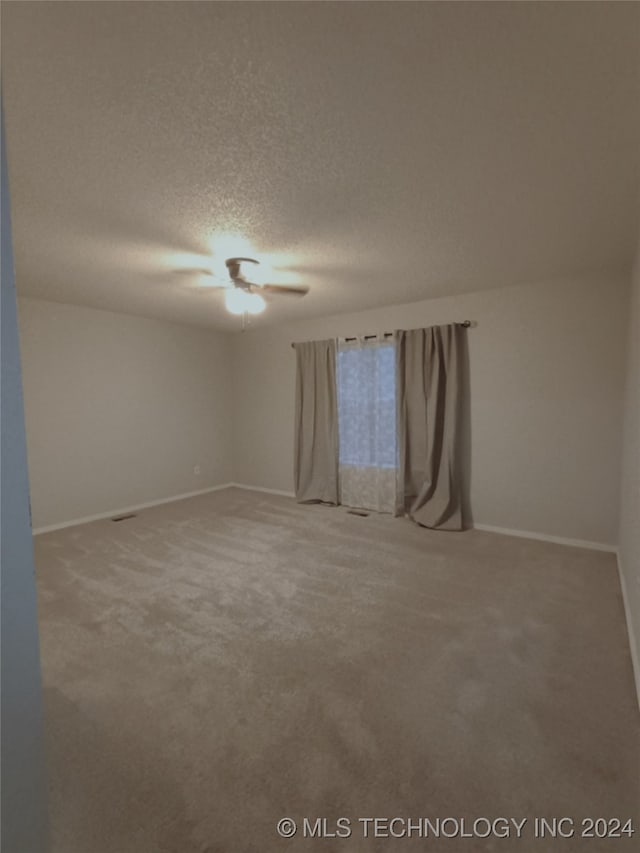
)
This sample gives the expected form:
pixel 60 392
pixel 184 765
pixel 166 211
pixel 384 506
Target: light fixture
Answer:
pixel 239 301
pixel 256 303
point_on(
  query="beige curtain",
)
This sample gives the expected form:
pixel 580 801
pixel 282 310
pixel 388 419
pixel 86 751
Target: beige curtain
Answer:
pixel 316 424
pixel 431 380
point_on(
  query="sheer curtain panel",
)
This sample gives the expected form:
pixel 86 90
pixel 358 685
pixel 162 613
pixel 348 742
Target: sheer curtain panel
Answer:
pixel 367 424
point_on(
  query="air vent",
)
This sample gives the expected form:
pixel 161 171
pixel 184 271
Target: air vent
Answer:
pixel 124 517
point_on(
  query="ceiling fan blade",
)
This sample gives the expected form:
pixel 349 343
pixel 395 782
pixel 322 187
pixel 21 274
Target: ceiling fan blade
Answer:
pixel 300 290
pixel 212 284
pixel 192 271
pixel 212 280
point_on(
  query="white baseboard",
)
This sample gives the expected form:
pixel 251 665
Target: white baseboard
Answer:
pixel 523 534
pixel 262 489
pixel 560 540
pixel 632 637
pixel 543 537
pixel 121 510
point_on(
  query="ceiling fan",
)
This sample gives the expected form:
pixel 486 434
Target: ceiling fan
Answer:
pixel 244 296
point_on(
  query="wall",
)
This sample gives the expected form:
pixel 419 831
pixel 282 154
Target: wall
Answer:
pixel 23 783
pixel 547 375
pixel 629 547
pixel 120 409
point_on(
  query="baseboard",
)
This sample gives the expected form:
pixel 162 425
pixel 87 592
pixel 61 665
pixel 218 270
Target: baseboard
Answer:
pixel 543 537
pixel 262 489
pixel 632 637
pixel 121 510
pixel 559 540
pixel 523 534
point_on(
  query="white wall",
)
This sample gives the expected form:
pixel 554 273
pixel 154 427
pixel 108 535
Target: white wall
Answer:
pixel 120 409
pixel 23 787
pixel 547 376
pixel 629 548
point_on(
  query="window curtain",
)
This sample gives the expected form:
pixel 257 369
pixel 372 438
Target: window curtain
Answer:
pixel 316 423
pixel 431 377
pixel 367 424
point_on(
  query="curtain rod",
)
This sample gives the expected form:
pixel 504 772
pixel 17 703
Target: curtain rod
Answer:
pixel 467 324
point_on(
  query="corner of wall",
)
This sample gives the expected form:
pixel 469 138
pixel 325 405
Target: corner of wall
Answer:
pixel 629 534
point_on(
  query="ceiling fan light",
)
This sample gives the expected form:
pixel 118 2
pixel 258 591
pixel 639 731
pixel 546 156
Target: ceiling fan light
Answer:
pixel 239 301
pixel 235 301
pixel 255 303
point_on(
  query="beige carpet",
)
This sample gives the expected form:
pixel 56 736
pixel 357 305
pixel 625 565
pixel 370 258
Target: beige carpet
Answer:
pixel 216 664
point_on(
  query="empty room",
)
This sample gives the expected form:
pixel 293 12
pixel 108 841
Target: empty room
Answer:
pixel 320 426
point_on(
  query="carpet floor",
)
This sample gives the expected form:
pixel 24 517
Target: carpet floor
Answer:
pixel 217 664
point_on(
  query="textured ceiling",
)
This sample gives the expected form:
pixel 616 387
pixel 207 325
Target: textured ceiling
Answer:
pixel 379 152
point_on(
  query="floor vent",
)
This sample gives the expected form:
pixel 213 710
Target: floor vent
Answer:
pixel 124 517
pixel 358 512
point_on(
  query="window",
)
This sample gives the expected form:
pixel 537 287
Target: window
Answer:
pixel 367 423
